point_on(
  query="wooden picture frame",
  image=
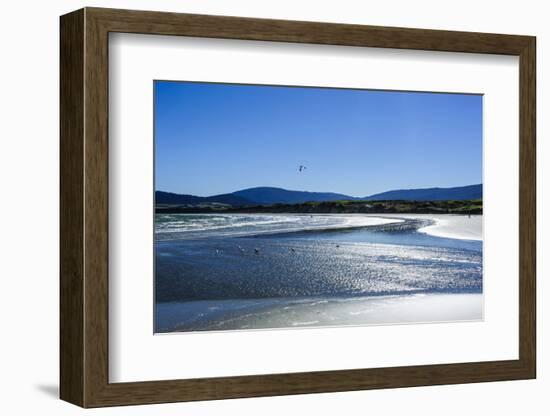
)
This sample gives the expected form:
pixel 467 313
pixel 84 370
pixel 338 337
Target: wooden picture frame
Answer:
pixel 84 207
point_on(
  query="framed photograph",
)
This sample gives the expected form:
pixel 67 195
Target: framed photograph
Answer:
pixel 255 207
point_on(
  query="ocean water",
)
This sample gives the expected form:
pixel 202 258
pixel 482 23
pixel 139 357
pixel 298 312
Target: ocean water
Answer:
pixel 186 226
pixel 213 269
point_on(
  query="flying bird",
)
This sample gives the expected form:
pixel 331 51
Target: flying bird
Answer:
pixel 301 168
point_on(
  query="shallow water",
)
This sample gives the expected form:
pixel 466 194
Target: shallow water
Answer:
pixel 256 258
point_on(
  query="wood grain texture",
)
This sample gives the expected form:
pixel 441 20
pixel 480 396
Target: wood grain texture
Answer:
pixel 162 23
pixel 84 207
pixel 527 208
pixel 96 208
pixel 71 185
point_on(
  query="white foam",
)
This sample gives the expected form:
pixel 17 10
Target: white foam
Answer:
pixel 254 224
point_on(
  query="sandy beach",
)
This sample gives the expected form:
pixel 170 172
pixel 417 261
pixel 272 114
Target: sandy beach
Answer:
pixel 456 226
pixel 463 227
pixel 225 315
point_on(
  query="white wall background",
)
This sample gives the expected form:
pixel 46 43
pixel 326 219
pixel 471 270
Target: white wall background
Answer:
pixel 29 207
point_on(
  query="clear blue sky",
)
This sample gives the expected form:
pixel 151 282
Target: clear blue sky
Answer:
pixel 219 138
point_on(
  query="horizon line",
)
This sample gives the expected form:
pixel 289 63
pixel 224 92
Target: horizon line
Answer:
pixel 320 192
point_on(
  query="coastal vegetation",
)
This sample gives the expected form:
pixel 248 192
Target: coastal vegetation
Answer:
pixel 468 207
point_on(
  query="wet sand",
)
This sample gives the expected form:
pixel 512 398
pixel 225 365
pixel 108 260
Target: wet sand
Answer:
pixel 245 314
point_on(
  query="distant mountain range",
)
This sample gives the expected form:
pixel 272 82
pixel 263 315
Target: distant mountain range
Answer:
pixel 182 199
pixel 430 194
pixel 269 196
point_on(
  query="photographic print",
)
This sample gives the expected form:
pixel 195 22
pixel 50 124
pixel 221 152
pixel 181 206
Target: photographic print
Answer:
pixel 281 207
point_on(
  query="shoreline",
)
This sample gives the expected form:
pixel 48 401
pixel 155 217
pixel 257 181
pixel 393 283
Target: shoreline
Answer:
pixel 443 229
pixel 288 313
pixel 460 227
pixel 453 226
